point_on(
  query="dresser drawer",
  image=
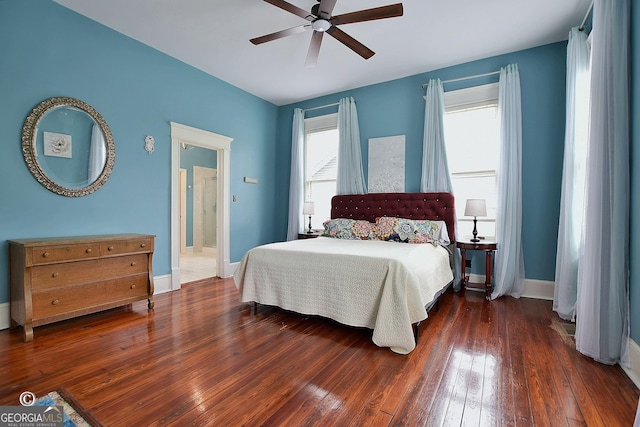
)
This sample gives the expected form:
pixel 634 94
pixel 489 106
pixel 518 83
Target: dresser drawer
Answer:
pixel 56 302
pixel 127 246
pixel 45 277
pixel 49 254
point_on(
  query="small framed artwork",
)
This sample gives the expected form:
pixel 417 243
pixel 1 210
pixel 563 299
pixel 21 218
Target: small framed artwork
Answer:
pixel 57 144
pixel 386 164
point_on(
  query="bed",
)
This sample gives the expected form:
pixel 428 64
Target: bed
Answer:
pixel 362 281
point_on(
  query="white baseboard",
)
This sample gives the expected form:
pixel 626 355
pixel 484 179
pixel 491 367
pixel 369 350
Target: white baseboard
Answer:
pixel 228 268
pixel 633 371
pixel 538 289
pixel 162 284
pixel 5 316
pixel 231 269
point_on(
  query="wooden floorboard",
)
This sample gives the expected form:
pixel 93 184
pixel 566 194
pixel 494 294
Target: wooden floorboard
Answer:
pixel 202 357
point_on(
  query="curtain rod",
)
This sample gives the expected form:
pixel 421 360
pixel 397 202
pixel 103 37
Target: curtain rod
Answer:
pixel 465 78
pixel 321 106
pixel 586 15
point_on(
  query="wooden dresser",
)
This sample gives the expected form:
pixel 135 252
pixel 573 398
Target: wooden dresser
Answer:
pixel 54 279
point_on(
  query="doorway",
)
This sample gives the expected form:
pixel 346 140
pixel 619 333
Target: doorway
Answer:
pixel 198 213
pixel 213 239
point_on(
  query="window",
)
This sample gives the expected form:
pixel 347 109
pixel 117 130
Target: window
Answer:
pixel 472 136
pixel 320 165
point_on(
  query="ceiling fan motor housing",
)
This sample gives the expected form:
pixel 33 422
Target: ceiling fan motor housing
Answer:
pixel 321 25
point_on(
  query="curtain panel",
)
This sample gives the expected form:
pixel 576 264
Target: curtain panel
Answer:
pixel 509 264
pixel 435 167
pixel 296 180
pixel 602 307
pixel 573 175
pixel 350 173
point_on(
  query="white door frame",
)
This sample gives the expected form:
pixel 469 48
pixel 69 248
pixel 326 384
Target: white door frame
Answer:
pixel 222 144
pixel 183 211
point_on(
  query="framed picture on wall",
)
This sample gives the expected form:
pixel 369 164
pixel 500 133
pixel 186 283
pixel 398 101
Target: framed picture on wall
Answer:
pixel 57 144
pixel 386 164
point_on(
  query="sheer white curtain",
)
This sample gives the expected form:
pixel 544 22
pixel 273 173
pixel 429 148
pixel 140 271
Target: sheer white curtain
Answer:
pixel 296 180
pixel 97 154
pixel 573 175
pixel 350 174
pixel 435 167
pixel 602 308
pixel 509 265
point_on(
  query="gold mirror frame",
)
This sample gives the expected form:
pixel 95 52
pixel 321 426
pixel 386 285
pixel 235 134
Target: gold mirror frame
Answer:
pixel 29 137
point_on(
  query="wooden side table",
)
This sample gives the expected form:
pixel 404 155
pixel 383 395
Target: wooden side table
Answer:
pixel 306 235
pixel 488 248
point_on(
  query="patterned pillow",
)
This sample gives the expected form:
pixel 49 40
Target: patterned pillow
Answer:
pixel 351 229
pixel 441 234
pixel 407 230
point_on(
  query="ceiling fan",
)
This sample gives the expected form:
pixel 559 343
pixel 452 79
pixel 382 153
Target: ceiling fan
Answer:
pixel 321 21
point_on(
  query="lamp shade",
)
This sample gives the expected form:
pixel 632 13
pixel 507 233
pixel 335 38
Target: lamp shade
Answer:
pixel 308 208
pixel 475 207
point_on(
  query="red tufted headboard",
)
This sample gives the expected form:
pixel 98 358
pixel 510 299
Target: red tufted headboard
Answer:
pixel 433 206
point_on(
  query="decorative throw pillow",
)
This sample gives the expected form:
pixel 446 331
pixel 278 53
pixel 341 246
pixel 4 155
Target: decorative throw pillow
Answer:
pixel 408 230
pixel 385 227
pixel 441 234
pixel 351 229
pixel 363 230
pixel 426 232
pixel 394 229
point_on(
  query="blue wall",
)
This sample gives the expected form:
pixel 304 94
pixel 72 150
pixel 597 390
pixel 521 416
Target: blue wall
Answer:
pixel 634 279
pixel 397 108
pixel 48 50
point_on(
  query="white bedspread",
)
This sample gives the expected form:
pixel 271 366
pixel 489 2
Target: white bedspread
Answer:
pixel 380 285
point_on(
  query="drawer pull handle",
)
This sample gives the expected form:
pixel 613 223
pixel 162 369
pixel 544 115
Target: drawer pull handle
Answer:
pixel 88 250
pixel 132 286
pixel 133 263
pixel 143 245
pixel 55 274
pixel 45 255
pixel 110 248
pixel 55 302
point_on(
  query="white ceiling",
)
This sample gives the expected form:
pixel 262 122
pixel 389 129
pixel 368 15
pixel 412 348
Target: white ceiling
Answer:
pixel 213 36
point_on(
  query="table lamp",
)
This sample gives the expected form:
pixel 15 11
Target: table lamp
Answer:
pixel 308 209
pixel 475 208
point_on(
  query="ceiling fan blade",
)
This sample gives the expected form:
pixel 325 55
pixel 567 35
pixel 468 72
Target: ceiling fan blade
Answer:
pixel 314 49
pixel 326 7
pixel 292 8
pixel 280 34
pixel 350 42
pixel 382 12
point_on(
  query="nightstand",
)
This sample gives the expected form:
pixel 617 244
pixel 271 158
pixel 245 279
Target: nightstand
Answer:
pixel 311 235
pixel 488 248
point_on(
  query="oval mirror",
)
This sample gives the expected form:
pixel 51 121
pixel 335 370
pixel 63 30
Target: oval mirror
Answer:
pixel 68 146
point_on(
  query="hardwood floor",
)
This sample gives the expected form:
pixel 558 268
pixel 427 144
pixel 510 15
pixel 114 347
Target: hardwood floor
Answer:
pixel 203 358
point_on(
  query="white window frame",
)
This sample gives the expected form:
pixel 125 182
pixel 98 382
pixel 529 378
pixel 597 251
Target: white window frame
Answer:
pixel 311 125
pixel 464 99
